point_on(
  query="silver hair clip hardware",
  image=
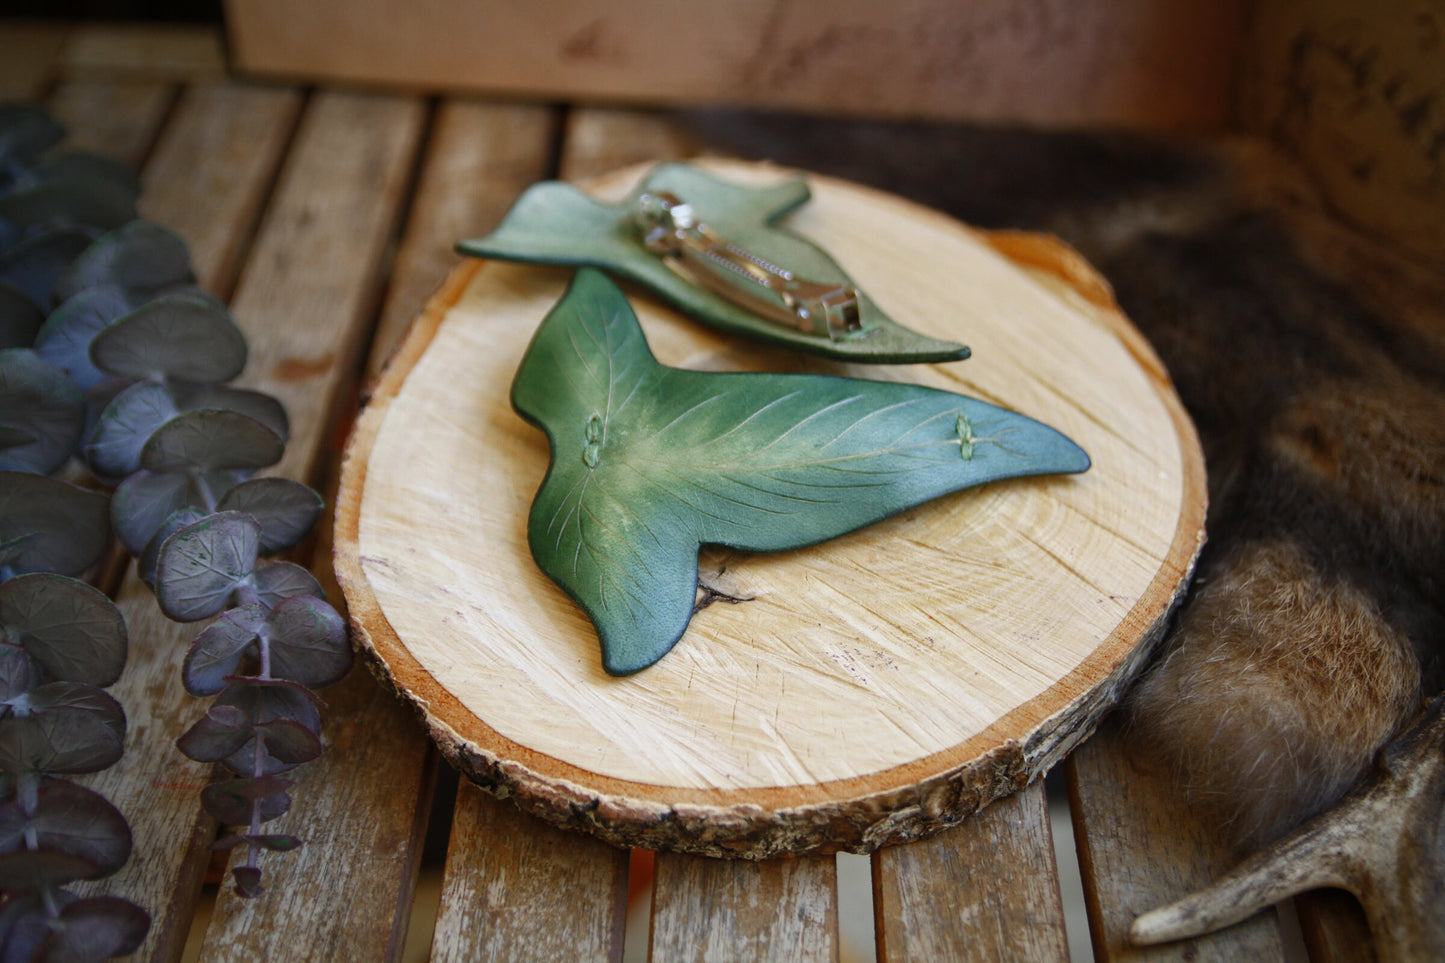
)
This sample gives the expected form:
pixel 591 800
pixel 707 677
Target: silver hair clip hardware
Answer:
pixel 670 229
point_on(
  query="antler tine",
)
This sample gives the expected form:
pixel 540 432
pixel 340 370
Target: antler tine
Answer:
pixel 1385 843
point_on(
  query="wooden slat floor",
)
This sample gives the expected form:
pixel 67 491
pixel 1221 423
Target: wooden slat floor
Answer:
pixel 326 217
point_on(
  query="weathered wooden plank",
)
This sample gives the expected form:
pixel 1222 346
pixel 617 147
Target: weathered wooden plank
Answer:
pixel 599 140
pixel 317 269
pixel 480 157
pixel 561 891
pixel 223 144
pixel 31 57
pixel 117 51
pixel 1115 62
pixel 986 890
pixel 154 785
pixel 713 909
pixel 117 119
pixel 1140 848
pixel 517 888
pixel 305 300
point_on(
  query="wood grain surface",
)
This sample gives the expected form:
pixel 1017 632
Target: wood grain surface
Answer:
pixel 523 877
pixel 120 119
pixel 984 891
pixel 868 696
pixel 785 909
pixel 243 133
pixel 479 157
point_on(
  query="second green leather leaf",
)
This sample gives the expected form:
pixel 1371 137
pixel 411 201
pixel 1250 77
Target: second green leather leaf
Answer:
pixel 555 223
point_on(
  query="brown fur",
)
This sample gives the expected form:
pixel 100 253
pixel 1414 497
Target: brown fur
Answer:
pixel 1313 364
pixel 1279 686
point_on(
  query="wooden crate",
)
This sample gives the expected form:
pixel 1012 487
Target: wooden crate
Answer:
pixel 1131 62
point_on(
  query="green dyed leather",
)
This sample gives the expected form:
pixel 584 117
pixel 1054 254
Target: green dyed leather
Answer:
pixel 555 223
pixel 649 462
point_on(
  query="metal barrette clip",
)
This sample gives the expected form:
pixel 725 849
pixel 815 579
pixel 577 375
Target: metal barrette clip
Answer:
pixel 670 229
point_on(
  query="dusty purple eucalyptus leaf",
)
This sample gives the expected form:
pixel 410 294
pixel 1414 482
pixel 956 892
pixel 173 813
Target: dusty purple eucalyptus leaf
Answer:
pixel 47 525
pixel 174 336
pixel 202 564
pixel 222 731
pixel 96 928
pixel 175 521
pixel 230 800
pixel 120 433
pixel 26 132
pixel 40 410
pixel 69 627
pixel 16 672
pixel 141 504
pixel 139 256
pixel 64 339
pixel 308 642
pixel 248 881
pixel 285 509
pixel 289 742
pixel 69 819
pixel 69 729
pixel 264 408
pixel 278 581
pixel 218 650
pixel 81 164
pixel 267 701
pixel 37 264
pixel 211 439
pixel 24 926
pixel 37 869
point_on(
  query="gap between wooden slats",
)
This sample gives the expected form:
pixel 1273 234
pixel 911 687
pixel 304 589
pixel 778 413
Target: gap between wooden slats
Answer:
pixel 985 890
pixel 306 299
pixel 154 785
pixel 1139 848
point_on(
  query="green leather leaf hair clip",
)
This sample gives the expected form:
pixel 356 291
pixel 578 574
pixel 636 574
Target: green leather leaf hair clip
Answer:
pixel 649 462
pixel 715 251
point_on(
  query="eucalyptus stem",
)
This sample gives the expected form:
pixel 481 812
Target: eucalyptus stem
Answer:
pixel 204 490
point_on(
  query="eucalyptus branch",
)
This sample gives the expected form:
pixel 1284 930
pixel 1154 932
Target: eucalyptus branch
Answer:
pixel 112 352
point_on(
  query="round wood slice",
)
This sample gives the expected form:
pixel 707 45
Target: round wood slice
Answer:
pixel 874 689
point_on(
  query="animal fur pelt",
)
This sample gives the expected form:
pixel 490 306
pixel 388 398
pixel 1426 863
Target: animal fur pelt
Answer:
pixel 1313 363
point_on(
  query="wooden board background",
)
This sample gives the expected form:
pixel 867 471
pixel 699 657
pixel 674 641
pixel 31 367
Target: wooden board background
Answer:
pixel 211 155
